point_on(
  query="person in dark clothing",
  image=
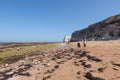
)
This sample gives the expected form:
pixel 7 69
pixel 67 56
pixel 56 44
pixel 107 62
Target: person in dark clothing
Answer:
pixel 78 44
pixel 84 44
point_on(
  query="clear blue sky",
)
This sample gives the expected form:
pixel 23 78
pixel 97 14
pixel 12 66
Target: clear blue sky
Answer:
pixel 50 20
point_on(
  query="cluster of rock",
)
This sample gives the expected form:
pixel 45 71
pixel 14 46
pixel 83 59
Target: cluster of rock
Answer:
pixel 107 29
pixel 39 58
pixel 84 62
pixel 8 72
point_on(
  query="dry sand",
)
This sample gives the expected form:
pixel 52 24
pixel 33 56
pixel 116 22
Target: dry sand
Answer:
pixel 75 65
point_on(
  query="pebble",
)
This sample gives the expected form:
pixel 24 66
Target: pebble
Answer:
pixel 25 73
pixel 56 66
pixel 78 73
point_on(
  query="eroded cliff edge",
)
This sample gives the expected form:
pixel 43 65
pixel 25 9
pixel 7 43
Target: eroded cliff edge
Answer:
pixel 108 29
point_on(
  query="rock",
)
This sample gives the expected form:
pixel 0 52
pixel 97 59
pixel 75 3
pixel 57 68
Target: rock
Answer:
pixel 2 77
pixel 77 52
pixel 80 54
pixel 24 66
pixel 38 62
pixel 52 70
pixel 53 58
pixel 49 71
pixel 78 77
pixel 61 62
pixel 94 58
pixel 101 69
pixel 89 76
pixel 86 65
pixel 24 73
pixel 28 65
pixel 35 61
pixel 46 64
pixel 82 61
pixel 69 58
pixel 76 63
pixel 38 69
pixel 4 70
pixel 78 73
pixel 56 66
pixel 83 54
pixel 6 65
pixel 115 68
pixel 16 72
pixel 116 64
pixel 9 73
pixel 38 73
pixel 21 61
pixel 45 78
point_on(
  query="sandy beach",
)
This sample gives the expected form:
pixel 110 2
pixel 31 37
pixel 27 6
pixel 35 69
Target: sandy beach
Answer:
pixel 99 61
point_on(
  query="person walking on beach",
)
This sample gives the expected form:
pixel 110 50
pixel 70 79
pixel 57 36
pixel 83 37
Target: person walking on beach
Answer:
pixel 84 44
pixel 78 44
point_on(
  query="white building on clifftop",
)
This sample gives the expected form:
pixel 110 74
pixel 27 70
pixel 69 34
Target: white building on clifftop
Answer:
pixel 67 39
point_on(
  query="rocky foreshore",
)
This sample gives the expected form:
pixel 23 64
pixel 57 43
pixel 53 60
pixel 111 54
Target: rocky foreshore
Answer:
pixel 59 63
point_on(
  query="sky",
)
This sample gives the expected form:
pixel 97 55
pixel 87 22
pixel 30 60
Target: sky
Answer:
pixel 50 20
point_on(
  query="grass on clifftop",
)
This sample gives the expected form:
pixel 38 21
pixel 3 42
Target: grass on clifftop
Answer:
pixel 10 55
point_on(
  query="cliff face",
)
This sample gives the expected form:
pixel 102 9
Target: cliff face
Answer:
pixel 104 30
